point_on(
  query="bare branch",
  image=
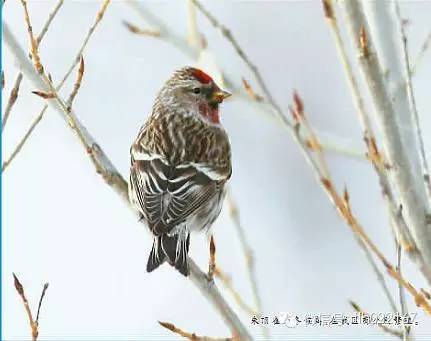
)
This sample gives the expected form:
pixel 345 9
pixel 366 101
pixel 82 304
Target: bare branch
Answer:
pixel 329 142
pixel 77 84
pixel 227 283
pixel 34 325
pixel 12 99
pixel 59 86
pixel 247 251
pixel 145 32
pixel 45 287
pixel 48 22
pixel 191 336
pixel 412 101
pixel 212 262
pixel 113 178
pixel 99 17
pixel 412 193
pixel 401 294
pixel 23 140
pixel 425 47
pixel 383 327
pixel 374 154
pixel 228 35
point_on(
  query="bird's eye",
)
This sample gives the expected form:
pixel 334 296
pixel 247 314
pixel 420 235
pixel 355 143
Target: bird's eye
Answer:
pixel 196 90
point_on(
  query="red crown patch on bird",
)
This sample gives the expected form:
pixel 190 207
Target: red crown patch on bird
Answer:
pixel 201 76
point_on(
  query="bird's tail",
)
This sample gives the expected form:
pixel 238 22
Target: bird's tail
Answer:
pixel 172 249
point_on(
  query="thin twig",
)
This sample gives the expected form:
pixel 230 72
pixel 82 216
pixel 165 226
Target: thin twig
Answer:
pixel 401 294
pixel 45 287
pixel 383 327
pixel 247 251
pixel 77 84
pixel 192 336
pixel 330 143
pixel 12 99
pixel 140 31
pixel 227 283
pixel 99 17
pixel 48 22
pixel 22 142
pixel 192 28
pixel 342 206
pixel 60 84
pixel 33 42
pixel 228 35
pixel 114 179
pixel 34 324
pixel 412 192
pixel 212 262
pixel 412 101
pixel 374 154
pixel 425 47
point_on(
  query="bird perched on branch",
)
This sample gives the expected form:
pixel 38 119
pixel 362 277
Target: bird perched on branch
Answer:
pixel 180 163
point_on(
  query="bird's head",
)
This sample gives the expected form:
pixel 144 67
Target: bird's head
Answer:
pixel 192 91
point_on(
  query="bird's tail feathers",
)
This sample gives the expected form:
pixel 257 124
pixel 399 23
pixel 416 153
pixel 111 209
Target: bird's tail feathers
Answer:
pixel 173 249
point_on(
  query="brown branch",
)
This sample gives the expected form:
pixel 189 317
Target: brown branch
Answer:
pixel 262 107
pixel 193 336
pixel 228 35
pixel 401 156
pixel 76 60
pixel 113 178
pixel 140 31
pixel 376 156
pixel 212 262
pixel 227 283
pixel 77 84
pixel 34 324
pixel 12 99
pixel 99 16
pixel 33 42
pixel 383 327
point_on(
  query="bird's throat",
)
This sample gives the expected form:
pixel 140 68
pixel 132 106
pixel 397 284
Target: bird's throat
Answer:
pixel 210 112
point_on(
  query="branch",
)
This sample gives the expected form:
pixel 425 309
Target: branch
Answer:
pixel 48 22
pixel 192 336
pixel 22 142
pixel 412 101
pixel 227 283
pixel 425 47
pixel 34 324
pixel 320 169
pixel 212 262
pixel 412 192
pixel 113 178
pixel 331 143
pixel 12 99
pixel 34 124
pixel 383 327
pixel 247 251
pixel 376 156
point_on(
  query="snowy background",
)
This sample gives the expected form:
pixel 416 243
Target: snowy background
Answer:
pixel 63 225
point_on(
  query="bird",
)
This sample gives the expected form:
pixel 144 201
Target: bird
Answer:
pixel 180 165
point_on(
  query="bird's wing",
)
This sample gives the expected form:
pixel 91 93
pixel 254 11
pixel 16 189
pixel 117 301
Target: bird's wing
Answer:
pixel 168 195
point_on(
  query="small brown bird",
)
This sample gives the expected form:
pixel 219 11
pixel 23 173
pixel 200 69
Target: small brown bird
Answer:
pixel 180 163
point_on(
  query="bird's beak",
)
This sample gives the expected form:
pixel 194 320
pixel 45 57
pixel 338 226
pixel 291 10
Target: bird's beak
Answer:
pixel 219 96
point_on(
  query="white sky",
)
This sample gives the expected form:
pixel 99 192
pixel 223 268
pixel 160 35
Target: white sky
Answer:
pixel 63 225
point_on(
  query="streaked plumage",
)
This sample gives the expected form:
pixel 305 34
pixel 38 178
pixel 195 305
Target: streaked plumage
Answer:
pixel 180 163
